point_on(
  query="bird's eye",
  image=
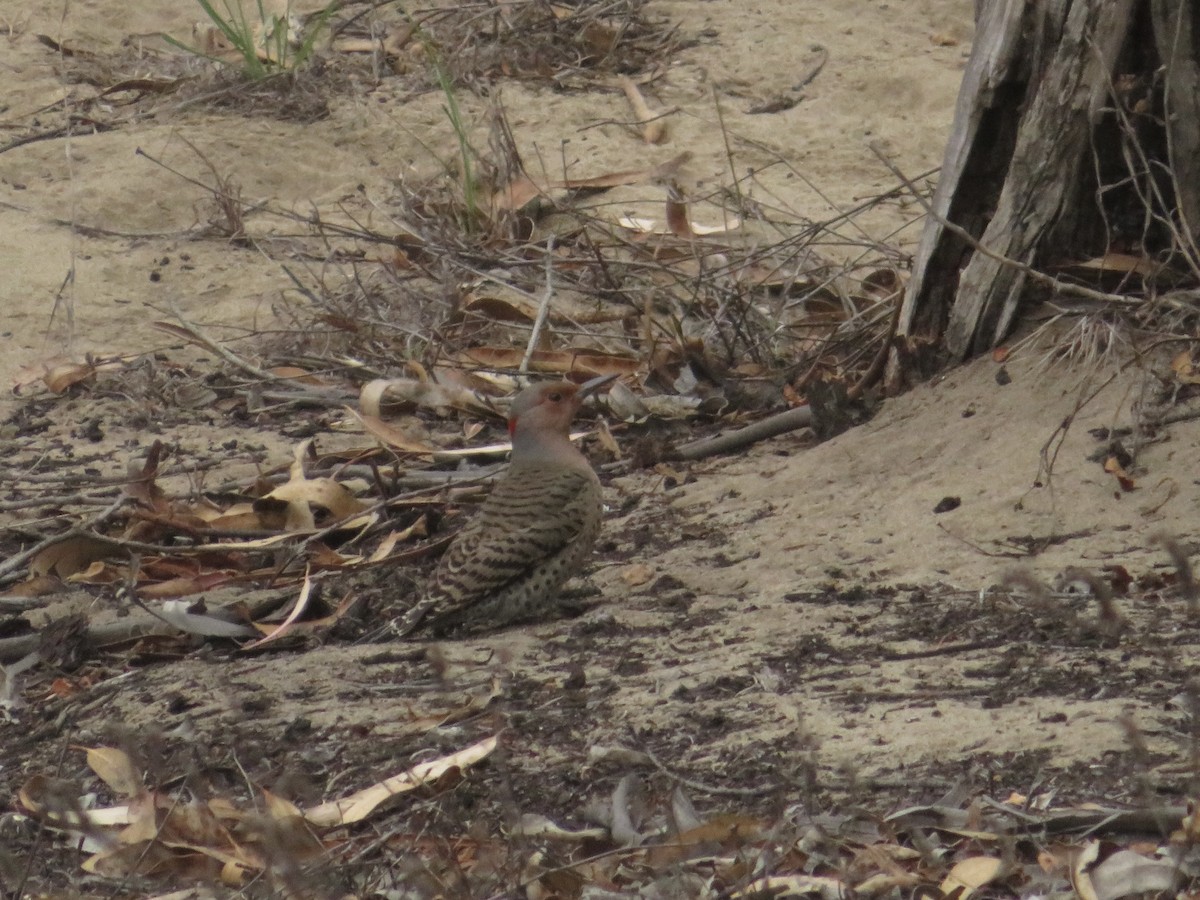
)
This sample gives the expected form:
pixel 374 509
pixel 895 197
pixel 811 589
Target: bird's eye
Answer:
pixel 555 397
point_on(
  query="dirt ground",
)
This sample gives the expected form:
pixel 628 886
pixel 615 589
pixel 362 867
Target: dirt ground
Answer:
pixel 796 624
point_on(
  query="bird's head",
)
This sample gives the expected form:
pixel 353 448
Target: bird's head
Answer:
pixel 549 408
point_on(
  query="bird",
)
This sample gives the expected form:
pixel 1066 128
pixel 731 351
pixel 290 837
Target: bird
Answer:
pixel 535 530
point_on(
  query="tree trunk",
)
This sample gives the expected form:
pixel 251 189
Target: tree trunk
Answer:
pixel 1074 115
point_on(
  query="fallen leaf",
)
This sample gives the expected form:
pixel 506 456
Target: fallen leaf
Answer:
pixel 1113 466
pixel 654 129
pixel 360 805
pixel 296 611
pixel 637 574
pixel 1184 368
pixel 389 435
pixel 116 769
pixel 1123 263
pixel 419 528
pixel 968 875
pixel 301 496
pixel 186 618
pixel 522 190
pixel 70 556
pixel 560 362
pixel 798 885
pixel 1125 873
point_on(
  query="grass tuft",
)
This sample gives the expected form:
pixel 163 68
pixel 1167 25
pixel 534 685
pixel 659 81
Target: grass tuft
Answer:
pixel 266 43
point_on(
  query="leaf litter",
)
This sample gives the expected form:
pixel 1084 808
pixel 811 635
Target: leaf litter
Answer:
pixel 708 320
pixel 947 851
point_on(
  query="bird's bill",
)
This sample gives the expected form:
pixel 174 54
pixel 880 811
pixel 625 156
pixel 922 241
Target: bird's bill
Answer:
pixel 593 385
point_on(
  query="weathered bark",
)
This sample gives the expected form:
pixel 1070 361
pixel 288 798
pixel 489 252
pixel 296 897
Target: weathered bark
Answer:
pixel 985 120
pixel 1037 167
pixel 1175 26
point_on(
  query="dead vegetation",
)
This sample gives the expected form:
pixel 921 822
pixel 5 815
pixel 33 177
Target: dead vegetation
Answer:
pixel 716 312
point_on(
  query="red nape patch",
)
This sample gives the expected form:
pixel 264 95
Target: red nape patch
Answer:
pixel 512 427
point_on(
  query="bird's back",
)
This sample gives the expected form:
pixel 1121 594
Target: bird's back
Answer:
pixel 535 530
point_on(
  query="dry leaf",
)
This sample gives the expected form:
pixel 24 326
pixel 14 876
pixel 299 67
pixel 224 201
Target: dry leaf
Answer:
pixel 68 557
pixel 534 825
pixel 637 574
pixel 789 885
pixel 297 610
pixel 1113 466
pixel 1082 862
pixel 417 529
pixel 1125 873
pixel 1184 368
pixel 297 499
pixel 185 586
pixel 391 436
pixel 654 129
pixel 502 303
pixel 358 806
pixel 184 617
pixel 522 190
pixel 115 769
pixel 968 875
pixel 560 362
pixel 1122 263
pixel 387 396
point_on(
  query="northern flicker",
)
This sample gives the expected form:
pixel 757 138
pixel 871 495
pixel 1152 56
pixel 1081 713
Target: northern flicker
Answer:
pixel 535 529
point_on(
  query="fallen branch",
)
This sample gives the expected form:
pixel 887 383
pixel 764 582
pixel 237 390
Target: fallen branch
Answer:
pixel 789 420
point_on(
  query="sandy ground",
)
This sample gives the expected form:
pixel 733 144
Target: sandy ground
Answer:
pixel 809 618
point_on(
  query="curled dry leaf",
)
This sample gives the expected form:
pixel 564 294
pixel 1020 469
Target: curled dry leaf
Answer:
pixel 360 805
pixel 1113 467
pixel 884 283
pixel 626 812
pixel 1126 873
pixel 969 875
pixel 298 375
pixel 296 611
pixel 684 817
pixel 116 769
pixel 1083 861
pixel 625 404
pixel 417 529
pixel 678 221
pixel 70 556
pixel 184 617
pixel 728 833
pixel 390 435
pixel 388 396
pixel 654 129
pixel 795 885
pixel 58 373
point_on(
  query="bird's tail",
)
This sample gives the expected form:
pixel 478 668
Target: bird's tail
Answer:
pixel 411 620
